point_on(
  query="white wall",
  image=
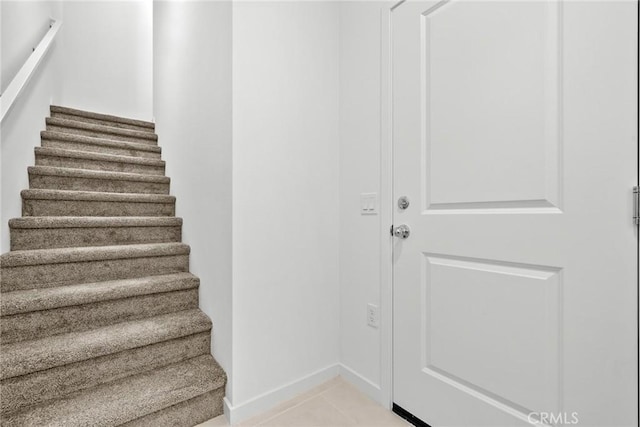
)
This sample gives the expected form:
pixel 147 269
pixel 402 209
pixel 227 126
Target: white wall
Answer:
pixel 360 281
pixel 22 25
pixel 192 103
pixel 285 196
pixel 108 57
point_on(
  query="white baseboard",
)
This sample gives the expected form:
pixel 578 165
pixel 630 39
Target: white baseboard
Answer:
pixel 262 403
pixel 364 385
pixel 266 401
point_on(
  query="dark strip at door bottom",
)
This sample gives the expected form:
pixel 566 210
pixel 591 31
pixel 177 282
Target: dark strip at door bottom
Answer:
pixel 403 413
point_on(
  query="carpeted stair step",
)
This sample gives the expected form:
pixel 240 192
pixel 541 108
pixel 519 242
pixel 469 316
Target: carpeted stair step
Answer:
pixel 99 356
pixel 27 357
pixel 88 203
pixel 133 398
pixel 101 119
pixel 63 232
pixel 37 313
pixel 100 131
pixel 96 161
pixel 68 141
pixel 188 413
pixel 47 268
pixel 31 389
pixel 49 177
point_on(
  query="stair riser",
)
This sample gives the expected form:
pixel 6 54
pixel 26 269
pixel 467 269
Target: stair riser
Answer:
pixel 188 413
pixel 40 324
pixel 33 207
pixel 94 148
pixel 99 165
pixel 99 134
pixel 38 387
pixel 54 182
pixel 48 238
pixel 50 275
pixel 101 122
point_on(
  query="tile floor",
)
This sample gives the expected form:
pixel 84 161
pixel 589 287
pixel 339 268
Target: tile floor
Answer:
pixel 335 403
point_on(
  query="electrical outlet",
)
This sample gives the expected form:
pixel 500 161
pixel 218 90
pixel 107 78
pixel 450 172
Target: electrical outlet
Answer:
pixel 373 315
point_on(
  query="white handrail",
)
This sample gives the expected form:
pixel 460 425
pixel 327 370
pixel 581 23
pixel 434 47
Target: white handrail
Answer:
pixel 20 81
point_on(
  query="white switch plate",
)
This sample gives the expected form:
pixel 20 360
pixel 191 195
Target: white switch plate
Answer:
pixel 373 315
pixel 369 204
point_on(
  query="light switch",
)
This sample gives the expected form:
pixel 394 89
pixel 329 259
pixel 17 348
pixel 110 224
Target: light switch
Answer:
pixel 369 203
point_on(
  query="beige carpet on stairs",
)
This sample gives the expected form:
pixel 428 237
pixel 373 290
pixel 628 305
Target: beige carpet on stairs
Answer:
pixel 99 317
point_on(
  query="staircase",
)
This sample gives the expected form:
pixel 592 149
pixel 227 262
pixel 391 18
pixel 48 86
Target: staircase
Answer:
pixel 99 322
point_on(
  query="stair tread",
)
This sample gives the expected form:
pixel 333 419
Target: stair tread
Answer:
pixel 129 398
pixel 71 137
pixel 90 155
pixel 93 222
pixel 90 253
pixel 25 357
pixel 74 124
pixel 30 300
pixel 47 194
pixel 101 116
pixel 96 174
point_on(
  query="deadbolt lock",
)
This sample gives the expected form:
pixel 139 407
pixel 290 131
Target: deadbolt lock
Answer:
pixel 403 202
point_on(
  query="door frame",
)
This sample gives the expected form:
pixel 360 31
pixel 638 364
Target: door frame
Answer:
pixel 386 206
pixel 387 203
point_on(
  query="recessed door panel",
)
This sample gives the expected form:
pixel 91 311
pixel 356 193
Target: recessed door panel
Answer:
pixel 491 104
pixel 503 318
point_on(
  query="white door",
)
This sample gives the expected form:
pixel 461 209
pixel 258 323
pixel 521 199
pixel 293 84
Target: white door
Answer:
pixel 514 133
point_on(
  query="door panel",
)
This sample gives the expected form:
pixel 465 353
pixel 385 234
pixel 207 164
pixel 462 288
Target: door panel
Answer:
pixel 524 373
pixel 514 133
pixel 490 96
